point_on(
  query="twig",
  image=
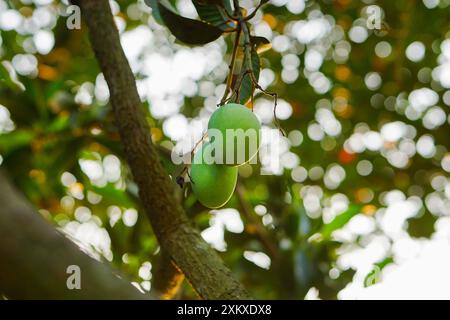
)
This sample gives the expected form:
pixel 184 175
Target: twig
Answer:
pixel 259 230
pixel 231 66
pixel 204 136
pixel 181 178
pixel 274 95
pixel 251 15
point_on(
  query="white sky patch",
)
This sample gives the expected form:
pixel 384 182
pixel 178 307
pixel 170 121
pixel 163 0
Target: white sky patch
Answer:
pixel 130 217
pixel 6 124
pixel 415 51
pixel 90 237
pixel 25 64
pixel 424 276
pixel 392 219
pixel 442 72
pixel 10 19
pixel 260 259
pixel 44 41
pixel 222 219
pixel 358 34
pixel 307 31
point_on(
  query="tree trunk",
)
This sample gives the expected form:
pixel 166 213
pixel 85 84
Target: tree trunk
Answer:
pixel 177 237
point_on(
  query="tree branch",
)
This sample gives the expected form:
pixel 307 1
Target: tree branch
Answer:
pixel 198 261
pixel 257 228
pixel 34 258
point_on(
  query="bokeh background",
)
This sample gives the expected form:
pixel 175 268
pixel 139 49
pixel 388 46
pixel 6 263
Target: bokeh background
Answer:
pixel 358 205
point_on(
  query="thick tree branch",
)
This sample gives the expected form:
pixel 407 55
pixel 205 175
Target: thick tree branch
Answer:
pixel 197 260
pixel 34 258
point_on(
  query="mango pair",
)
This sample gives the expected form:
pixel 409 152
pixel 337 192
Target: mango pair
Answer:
pixel 234 138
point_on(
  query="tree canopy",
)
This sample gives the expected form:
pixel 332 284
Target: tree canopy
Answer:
pixel 354 160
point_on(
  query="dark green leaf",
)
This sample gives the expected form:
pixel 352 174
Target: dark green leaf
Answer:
pixel 223 3
pixel 188 30
pixel 259 40
pixel 213 12
pixel 155 10
pixel 247 87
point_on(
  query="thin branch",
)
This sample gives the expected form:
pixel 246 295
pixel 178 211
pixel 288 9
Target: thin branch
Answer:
pixel 231 67
pixel 257 228
pixel 251 15
pixel 177 237
pixel 181 178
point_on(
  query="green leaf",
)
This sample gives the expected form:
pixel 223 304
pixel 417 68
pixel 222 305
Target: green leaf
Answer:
pixel 15 140
pixel 223 3
pixel 187 30
pixel 212 11
pixel 339 221
pixel 155 10
pixel 247 88
pixel 61 123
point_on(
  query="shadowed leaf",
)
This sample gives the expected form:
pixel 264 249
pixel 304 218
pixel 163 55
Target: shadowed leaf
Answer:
pixel 155 9
pixel 188 30
pixel 214 12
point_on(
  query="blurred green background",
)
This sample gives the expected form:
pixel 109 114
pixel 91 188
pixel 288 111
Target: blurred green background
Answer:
pixel 362 184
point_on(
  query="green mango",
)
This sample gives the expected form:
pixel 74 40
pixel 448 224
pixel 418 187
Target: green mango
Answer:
pixel 212 183
pixel 235 132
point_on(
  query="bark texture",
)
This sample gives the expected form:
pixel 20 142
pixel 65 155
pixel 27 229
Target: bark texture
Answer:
pixel 178 238
pixel 34 258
